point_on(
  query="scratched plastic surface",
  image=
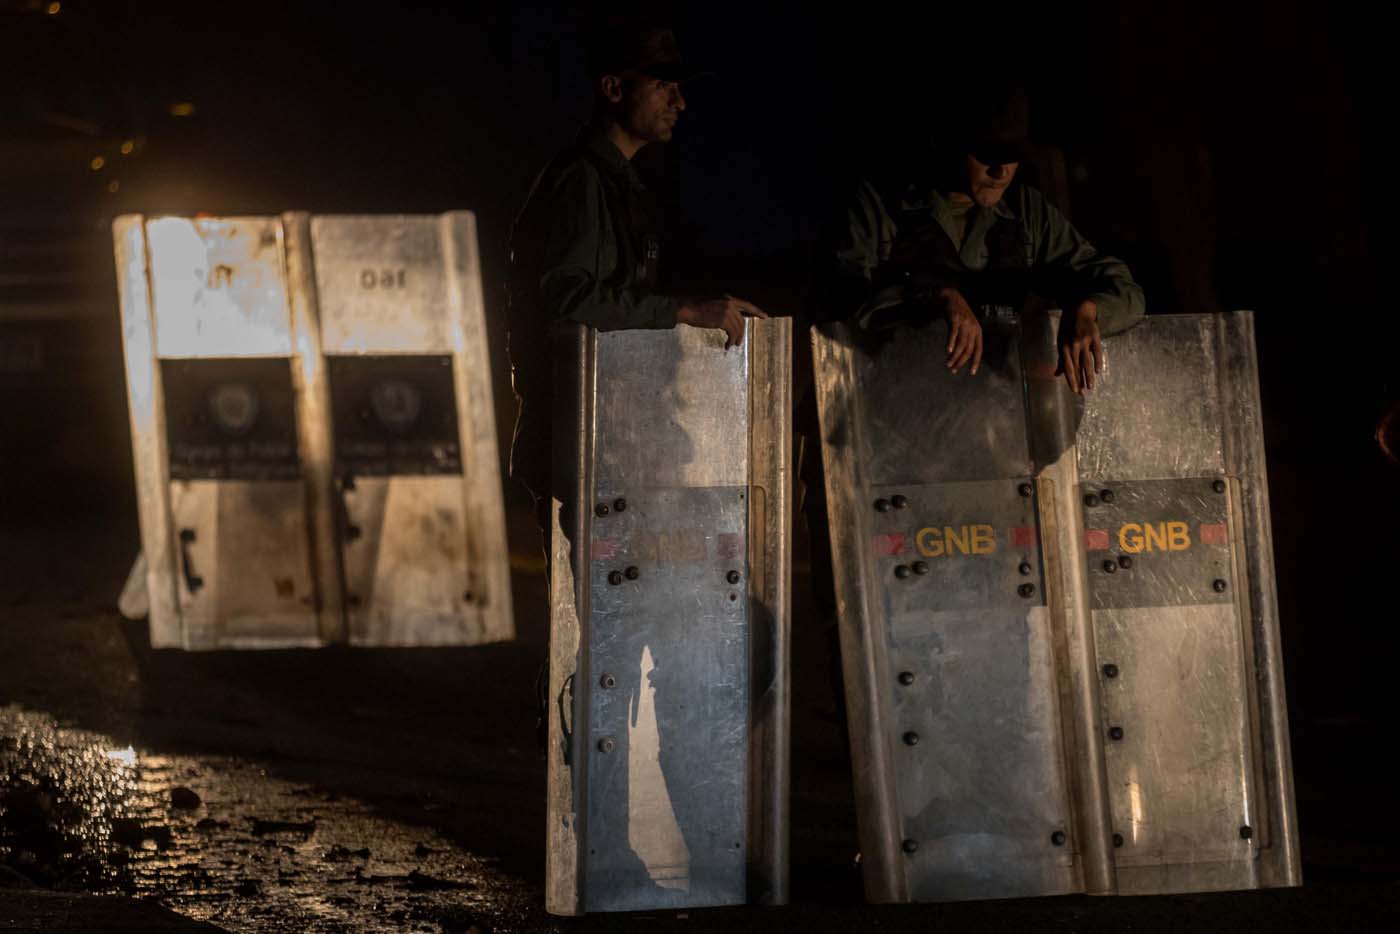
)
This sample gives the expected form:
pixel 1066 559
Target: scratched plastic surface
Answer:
pixel 1157 435
pixel 1156 411
pixel 668 757
pixel 667 802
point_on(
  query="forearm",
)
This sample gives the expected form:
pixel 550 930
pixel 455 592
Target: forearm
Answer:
pixel 577 296
pixel 1119 303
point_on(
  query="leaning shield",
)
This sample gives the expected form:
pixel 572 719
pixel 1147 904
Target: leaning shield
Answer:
pixel 218 435
pixel 1174 501
pixel 416 492
pixel 1002 745
pixel 669 620
pixel 313 432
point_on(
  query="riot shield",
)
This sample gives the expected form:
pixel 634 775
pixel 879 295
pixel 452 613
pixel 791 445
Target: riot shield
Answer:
pixel 1185 616
pixel 669 619
pixel 249 439
pixel 983 631
pixel 217 435
pixel 417 481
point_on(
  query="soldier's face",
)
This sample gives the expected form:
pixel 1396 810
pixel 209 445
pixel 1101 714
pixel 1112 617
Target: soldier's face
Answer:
pixel 651 108
pixel 987 183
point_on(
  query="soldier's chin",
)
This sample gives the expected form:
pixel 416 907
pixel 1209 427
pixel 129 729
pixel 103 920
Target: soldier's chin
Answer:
pixel 988 197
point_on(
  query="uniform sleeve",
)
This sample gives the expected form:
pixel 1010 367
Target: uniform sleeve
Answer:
pixel 1072 270
pixel 577 263
pixel 861 233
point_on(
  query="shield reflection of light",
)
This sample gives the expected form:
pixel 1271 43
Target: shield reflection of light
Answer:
pixel 652 830
pixel 1135 804
pixel 217 289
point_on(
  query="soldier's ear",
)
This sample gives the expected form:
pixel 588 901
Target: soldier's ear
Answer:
pixel 611 88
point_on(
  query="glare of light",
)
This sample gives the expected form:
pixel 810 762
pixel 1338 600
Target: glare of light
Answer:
pixel 125 756
pixel 97 163
pixel 114 186
pixel 53 8
pixel 182 109
pixel 244 315
pixel 128 147
pixel 1135 804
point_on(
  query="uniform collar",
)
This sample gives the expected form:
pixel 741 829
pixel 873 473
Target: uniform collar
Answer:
pixel 934 200
pixel 941 204
pixel 596 141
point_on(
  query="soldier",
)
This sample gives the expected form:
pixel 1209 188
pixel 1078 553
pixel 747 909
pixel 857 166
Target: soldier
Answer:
pixel 585 250
pixel 951 237
pixel 948 235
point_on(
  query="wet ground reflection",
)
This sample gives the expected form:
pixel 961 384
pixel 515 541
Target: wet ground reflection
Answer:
pixel 217 839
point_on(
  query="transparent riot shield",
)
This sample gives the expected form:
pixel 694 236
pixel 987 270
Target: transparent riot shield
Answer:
pixel 1185 618
pixel 217 435
pixel 982 642
pixel 948 648
pixel 669 620
pixel 293 435
pixel 413 432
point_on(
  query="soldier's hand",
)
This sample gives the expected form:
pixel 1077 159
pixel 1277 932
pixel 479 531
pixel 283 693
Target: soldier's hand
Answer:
pixel 1081 349
pixel 964 332
pixel 727 314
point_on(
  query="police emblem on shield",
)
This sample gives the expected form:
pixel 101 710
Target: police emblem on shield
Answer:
pixel 234 407
pixel 396 404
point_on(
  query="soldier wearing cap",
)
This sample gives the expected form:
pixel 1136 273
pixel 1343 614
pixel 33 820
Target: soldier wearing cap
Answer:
pixel 948 235
pixel 585 249
pixel 952 237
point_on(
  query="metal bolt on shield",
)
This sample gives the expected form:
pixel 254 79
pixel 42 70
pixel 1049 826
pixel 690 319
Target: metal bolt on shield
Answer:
pixel 906 678
pixel 601 510
pixel 901 571
pixel 1058 838
pixel 899 501
pixel 1220 586
pixel 910 846
pixel 733 577
pixel 606 744
pixel 1026 590
pixel 882 505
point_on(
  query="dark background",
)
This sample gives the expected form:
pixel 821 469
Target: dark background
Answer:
pixel 1231 153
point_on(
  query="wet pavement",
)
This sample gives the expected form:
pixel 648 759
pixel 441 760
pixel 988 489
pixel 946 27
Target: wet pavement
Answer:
pixel 217 839
pixel 376 790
